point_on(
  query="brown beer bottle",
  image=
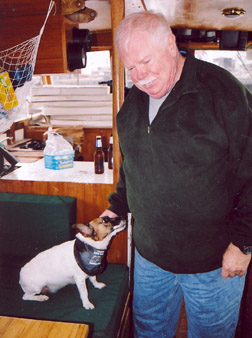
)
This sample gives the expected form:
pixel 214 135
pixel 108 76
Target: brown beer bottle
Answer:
pixel 110 153
pixel 99 156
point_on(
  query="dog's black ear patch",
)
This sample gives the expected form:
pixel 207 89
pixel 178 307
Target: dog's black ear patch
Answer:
pixel 84 229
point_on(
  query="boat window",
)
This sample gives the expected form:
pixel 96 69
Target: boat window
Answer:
pixel 98 69
pixel 239 63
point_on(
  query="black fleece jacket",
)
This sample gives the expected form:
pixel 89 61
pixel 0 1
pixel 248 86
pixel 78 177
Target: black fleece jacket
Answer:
pixel 187 178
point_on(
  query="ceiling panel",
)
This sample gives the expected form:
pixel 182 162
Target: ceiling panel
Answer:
pixel 200 14
pixel 203 14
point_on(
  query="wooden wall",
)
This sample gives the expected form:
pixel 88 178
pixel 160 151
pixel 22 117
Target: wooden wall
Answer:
pixel 22 20
pixel 86 140
pixel 91 202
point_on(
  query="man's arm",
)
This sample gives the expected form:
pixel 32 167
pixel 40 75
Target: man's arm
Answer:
pixel 238 125
pixel 118 200
pixel 108 213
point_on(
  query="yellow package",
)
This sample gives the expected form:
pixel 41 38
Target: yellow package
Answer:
pixel 7 94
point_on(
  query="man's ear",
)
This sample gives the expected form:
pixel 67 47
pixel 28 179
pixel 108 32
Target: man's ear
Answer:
pixel 171 44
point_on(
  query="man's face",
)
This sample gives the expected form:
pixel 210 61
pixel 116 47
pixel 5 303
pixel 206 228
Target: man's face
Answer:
pixel 152 65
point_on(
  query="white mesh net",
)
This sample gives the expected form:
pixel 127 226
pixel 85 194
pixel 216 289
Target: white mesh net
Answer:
pixel 16 69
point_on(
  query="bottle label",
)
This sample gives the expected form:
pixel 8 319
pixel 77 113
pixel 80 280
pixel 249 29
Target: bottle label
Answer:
pixel 98 143
pixel 57 162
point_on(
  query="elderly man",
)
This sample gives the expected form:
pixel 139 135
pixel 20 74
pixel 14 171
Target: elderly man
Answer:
pixel 186 140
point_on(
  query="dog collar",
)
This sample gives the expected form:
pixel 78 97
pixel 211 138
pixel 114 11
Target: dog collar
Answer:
pixel 90 260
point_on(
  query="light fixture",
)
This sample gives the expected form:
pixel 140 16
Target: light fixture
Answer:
pixel 233 13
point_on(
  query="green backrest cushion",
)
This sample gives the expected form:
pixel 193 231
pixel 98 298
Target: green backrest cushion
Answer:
pixel 31 223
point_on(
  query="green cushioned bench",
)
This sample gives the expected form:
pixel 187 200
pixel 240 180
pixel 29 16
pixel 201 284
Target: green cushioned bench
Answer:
pixel 31 223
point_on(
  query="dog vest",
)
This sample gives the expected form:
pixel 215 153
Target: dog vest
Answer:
pixel 90 260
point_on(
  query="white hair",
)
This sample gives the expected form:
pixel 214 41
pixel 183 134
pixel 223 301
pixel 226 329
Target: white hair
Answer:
pixel 155 24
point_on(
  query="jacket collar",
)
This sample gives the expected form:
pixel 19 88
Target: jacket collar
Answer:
pixel 187 82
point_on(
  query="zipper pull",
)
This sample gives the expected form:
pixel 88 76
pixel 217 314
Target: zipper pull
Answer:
pixel 148 129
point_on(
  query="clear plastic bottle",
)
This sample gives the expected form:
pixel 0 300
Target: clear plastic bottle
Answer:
pixel 49 142
pixel 58 153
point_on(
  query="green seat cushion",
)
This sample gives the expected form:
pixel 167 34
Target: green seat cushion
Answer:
pixel 66 305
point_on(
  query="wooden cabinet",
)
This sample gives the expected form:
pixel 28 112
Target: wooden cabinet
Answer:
pixel 22 20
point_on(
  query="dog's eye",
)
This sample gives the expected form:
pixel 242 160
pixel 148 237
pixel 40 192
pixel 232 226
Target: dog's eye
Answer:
pixel 105 219
pixel 105 223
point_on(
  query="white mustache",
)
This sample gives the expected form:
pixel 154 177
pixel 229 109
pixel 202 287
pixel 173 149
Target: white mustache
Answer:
pixel 146 81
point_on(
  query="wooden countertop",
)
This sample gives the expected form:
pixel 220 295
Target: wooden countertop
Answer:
pixel 11 327
pixel 82 172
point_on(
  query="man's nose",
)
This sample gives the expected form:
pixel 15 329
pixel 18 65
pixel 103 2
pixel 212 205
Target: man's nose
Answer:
pixel 141 72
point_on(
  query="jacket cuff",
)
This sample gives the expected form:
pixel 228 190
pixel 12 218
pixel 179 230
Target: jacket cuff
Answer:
pixel 118 210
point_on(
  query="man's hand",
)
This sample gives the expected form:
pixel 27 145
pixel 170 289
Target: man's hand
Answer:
pixel 234 262
pixel 108 213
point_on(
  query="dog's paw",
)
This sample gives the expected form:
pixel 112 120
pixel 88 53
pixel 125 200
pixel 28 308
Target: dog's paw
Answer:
pixel 88 306
pixel 38 298
pixel 43 298
pixel 96 284
pixel 100 285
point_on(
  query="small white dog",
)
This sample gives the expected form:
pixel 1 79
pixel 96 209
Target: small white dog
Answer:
pixel 71 262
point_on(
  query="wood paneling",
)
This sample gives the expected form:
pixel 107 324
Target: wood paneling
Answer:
pixel 22 20
pixel 101 40
pixel 182 323
pixel 244 329
pixel 14 8
pixel 89 141
pixel 86 140
pixel 92 200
